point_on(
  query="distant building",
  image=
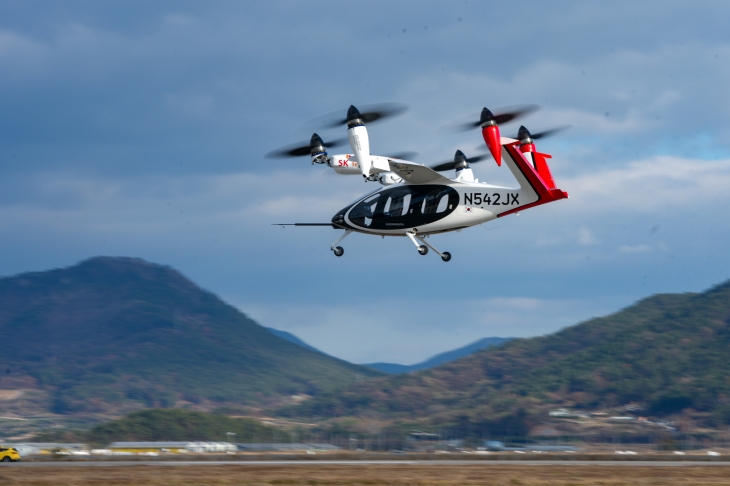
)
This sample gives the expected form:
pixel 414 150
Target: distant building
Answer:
pixel 261 447
pixel 552 448
pixel 38 448
pixel 563 413
pixel 171 447
pixel 496 445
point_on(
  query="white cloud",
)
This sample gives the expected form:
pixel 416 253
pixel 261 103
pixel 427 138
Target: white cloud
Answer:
pixel 660 183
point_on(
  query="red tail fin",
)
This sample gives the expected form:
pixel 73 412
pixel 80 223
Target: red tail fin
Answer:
pixel 542 168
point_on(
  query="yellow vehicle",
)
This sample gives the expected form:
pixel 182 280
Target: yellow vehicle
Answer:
pixel 8 454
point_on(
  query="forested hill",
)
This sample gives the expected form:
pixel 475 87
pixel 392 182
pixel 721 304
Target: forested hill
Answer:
pixel 115 334
pixel 667 352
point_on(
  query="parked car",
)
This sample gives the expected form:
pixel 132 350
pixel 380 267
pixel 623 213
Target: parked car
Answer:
pixel 8 454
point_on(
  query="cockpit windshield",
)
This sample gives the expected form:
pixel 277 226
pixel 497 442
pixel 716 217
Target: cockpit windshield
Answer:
pixel 405 206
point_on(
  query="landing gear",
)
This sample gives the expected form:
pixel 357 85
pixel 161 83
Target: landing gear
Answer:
pixel 422 246
pixel 339 251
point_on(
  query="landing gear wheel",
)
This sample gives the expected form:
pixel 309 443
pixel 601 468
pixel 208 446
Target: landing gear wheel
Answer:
pixel 446 256
pixel 423 249
pixel 339 251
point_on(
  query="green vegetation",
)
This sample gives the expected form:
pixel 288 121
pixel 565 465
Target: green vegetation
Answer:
pixel 112 335
pixel 170 425
pixel 668 353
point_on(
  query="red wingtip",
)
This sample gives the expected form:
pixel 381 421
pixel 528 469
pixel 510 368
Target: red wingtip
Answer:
pixel 492 139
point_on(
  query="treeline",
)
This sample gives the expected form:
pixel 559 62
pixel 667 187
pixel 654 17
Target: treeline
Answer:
pixel 170 425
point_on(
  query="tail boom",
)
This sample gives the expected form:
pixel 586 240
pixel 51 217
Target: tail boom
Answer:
pixel 538 177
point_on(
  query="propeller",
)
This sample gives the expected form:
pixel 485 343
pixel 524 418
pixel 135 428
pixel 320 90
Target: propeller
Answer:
pixel 460 160
pixel 316 144
pixel 499 116
pixel 524 135
pixel 367 114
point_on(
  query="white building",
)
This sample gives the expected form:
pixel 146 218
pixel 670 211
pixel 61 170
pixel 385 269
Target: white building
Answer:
pixel 174 447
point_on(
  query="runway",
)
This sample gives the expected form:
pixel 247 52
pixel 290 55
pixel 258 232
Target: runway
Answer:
pixel 485 463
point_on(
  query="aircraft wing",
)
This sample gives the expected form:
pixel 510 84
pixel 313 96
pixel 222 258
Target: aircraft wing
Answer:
pixel 416 173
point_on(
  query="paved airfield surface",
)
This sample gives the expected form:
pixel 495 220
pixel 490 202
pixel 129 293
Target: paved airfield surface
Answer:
pixel 373 473
pixel 367 463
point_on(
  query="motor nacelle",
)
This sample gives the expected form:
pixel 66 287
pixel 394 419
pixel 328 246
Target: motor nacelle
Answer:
pixel 320 158
pixel 318 150
pixel 346 164
pixel 349 164
pixel 389 178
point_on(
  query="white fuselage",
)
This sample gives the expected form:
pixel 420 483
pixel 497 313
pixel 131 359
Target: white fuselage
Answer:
pixel 445 205
pixel 429 209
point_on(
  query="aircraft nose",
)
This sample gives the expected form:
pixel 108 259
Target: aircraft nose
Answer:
pixel 339 219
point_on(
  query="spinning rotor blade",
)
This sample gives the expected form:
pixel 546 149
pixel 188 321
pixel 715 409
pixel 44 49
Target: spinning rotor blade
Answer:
pixel 302 148
pixel 459 158
pixel 500 116
pixel 368 114
pixel 523 133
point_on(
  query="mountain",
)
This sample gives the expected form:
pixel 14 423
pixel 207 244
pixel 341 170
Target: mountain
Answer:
pixel 446 357
pixel 287 336
pixel 168 425
pixel 390 368
pixel 393 368
pixel 668 354
pixel 115 334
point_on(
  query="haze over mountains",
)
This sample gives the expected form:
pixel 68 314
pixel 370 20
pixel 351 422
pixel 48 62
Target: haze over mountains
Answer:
pixel 441 358
pixel 394 368
pixel 116 334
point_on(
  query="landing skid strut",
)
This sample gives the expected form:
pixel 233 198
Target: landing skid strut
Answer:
pixel 423 248
pixel 339 251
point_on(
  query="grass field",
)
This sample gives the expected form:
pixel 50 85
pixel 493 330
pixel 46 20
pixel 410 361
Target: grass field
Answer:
pixel 368 475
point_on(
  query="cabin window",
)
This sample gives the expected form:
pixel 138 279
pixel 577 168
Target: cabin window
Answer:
pixel 371 204
pixel 443 203
pixel 432 201
pixel 406 204
pixel 365 209
pixel 397 204
pixel 386 208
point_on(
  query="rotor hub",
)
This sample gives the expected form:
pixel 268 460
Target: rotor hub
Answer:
pixel 524 136
pixel 354 117
pixel 486 119
pixel 316 145
pixel 460 161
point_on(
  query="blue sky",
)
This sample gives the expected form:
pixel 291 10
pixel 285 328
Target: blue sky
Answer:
pixel 139 128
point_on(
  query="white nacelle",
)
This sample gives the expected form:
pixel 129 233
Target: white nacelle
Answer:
pixel 344 164
pixel 348 164
pixel 357 135
pixel 389 178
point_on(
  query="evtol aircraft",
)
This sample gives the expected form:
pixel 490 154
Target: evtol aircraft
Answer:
pixel 417 201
